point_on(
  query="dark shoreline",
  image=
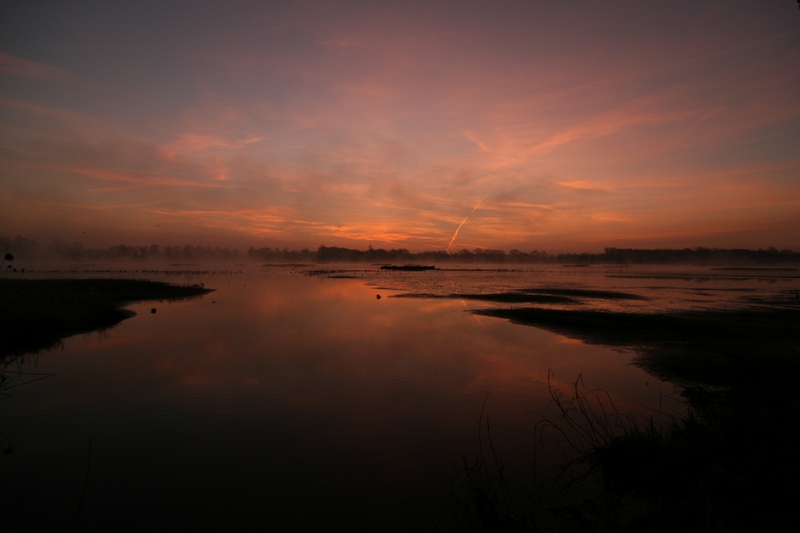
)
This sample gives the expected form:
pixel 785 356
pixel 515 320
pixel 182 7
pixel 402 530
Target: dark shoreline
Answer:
pixel 731 464
pixel 39 314
pixel 708 348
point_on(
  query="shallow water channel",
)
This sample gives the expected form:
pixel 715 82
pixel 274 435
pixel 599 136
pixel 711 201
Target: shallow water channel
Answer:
pixel 294 401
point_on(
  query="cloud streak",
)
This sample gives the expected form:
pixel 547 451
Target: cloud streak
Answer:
pixel 25 68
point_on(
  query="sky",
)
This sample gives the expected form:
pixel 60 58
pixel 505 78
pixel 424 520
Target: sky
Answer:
pixel 427 125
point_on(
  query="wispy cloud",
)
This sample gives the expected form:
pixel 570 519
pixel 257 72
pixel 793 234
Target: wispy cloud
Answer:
pixel 584 185
pixel 191 143
pixel 387 123
pixel 25 68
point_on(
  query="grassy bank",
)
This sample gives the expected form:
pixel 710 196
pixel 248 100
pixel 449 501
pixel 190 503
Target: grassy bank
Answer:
pixel 730 465
pixel 38 314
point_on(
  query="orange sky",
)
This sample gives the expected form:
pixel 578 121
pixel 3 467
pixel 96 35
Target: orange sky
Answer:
pixel 574 125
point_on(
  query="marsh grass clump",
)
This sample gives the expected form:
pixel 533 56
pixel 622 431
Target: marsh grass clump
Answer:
pixel 714 472
pixel 729 464
pixel 588 432
pixel 600 448
pixel 586 419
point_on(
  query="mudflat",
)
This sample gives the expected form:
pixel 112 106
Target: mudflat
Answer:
pixel 38 314
pixel 716 348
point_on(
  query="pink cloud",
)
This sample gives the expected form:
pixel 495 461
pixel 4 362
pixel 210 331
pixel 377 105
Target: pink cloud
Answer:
pixel 387 124
pixel 25 68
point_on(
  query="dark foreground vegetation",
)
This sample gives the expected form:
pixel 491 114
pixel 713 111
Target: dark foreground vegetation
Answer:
pixel 730 465
pixel 38 314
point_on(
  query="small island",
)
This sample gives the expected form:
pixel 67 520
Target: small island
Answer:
pixel 38 313
pixel 412 268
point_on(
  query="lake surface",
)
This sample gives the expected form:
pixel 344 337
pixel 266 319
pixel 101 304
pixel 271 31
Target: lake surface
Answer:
pixel 293 401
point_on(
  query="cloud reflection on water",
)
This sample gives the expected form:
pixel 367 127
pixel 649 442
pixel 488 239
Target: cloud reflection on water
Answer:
pixel 290 393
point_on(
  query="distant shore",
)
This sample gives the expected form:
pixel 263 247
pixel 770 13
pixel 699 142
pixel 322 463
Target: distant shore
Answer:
pixel 38 314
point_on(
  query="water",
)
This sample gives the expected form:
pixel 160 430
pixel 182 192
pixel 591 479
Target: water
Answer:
pixel 292 402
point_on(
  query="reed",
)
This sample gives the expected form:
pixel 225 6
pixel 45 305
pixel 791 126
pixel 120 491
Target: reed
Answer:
pixel 729 464
pixel 481 499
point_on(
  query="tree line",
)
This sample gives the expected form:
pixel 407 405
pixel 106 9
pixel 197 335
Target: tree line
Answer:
pixel 23 247
pixel 75 251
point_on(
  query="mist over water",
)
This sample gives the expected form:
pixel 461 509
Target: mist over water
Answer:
pixel 305 401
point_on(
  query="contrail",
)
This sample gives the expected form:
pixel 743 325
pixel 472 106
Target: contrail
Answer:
pixel 462 223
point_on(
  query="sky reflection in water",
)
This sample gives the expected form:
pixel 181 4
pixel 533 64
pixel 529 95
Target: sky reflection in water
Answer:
pixel 285 400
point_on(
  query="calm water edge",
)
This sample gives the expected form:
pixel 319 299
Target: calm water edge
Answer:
pixel 286 401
